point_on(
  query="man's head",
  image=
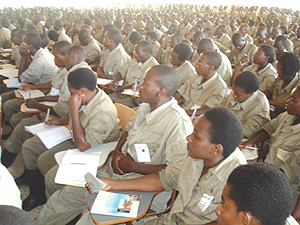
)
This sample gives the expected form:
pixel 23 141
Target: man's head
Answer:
pixel 33 42
pixel 209 62
pixel 245 85
pixel 221 29
pixel 74 55
pixel 205 44
pixel 45 40
pixel 160 82
pixel 151 36
pixel 18 38
pixel 112 37
pixel 143 51
pixel 238 41
pixel 59 51
pixel 180 53
pixel 261 34
pixel 53 35
pixel 127 29
pixel 84 37
pixel 217 133
pixel 280 44
pixel 135 37
pixel 258 194
pixel 244 29
pixel 58 25
pixel 176 38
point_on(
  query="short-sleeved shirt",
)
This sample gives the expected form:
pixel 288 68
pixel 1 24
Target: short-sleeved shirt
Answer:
pixel 184 29
pixel 164 131
pixel 225 69
pixel 185 71
pixel 184 176
pixel 225 40
pixel 249 49
pixel 208 94
pixel 99 120
pixel 5 41
pixel 92 50
pixel 62 36
pixel 266 76
pixel 116 61
pixel 253 112
pixel 41 69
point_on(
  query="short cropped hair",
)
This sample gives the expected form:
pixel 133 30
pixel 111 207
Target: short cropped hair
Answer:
pixel 237 38
pixel 248 81
pixel 82 78
pixel 115 35
pixel 146 46
pixel 204 45
pixel 135 36
pixel 290 64
pixel 226 129
pixel 152 35
pixel 263 190
pixel 45 40
pixel 269 51
pixel 53 35
pixel 167 78
pixel 34 39
pixel 214 58
pixel 282 39
pixel 13 215
pixel 183 50
pixel 62 47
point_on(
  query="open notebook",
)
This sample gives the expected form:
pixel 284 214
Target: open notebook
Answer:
pixel 49 135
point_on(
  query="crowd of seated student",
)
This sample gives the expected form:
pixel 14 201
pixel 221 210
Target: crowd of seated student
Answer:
pixel 239 58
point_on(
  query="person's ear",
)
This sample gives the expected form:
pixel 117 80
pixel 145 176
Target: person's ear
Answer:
pixel 247 217
pixel 161 92
pixel 217 149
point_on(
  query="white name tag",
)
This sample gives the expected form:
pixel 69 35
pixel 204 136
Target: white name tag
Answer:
pixel 142 152
pixel 205 202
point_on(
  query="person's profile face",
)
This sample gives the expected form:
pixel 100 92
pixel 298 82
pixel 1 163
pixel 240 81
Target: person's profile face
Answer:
pixel 280 71
pixel 260 36
pixel 202 66
pixel 59 59
pixel 259 56
pixel 199 145
pixel 140 55
pixel 175 61
pixel 293 103
pixel 227 210
pixel 239 94
pixel 149 88
pixel 279 47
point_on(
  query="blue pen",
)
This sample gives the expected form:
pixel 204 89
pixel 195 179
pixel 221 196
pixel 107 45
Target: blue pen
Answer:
pixel 135 83
pixel 29 94
pixel 22 81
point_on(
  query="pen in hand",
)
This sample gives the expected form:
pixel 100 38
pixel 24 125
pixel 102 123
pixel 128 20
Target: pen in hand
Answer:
pixel 47 115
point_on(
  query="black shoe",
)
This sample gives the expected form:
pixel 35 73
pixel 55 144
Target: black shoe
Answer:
pixel 37 194
pixel 8 158
pixel 33 201
pixel 23 179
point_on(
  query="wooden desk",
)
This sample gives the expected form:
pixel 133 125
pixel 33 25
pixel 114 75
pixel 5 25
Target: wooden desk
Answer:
pixel 144 206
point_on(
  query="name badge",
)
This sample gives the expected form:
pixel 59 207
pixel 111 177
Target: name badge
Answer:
pixel 110 73
pixel 142 152
pixel 205 202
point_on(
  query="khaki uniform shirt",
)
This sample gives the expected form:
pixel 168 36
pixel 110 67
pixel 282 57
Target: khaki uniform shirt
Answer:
pixel 155 50
pixel 41 69
pixel 166 55
pixel 92 50
pixel 253 112
pixel 128 46
pixel 225 69
pixel 225 40
pixel 266 76
pixel 183 175
pixel 16 56
pixel 184 29
pixel 208 94
pixel 249 49
pixel 185 71
pixel 99 120
pixel 165 145
pixel 116 61
pixel 63 36
pixel 280 94
pixel 5 41
pixel 138 70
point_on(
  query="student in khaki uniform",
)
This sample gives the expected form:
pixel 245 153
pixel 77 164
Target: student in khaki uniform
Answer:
pixel 152 37
pixel 136 70
pixel 5 40
pixel 241 48
pixel 205 90
pixel 117 59
pixel 283 133
pixel 224 70
pixel 222 37
pixel 179 59
pixel 243 204
pixel 126 31
pixel 199 177
pixel 90 46
pixel 249 104
pixel 158 110
pixel 93 120
pixel 40 70
pixel 262 65
pixel 288 78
